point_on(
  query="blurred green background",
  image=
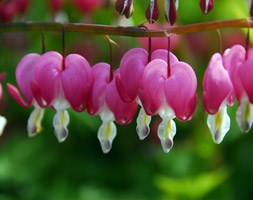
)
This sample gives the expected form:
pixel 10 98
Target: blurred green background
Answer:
pixel 196 168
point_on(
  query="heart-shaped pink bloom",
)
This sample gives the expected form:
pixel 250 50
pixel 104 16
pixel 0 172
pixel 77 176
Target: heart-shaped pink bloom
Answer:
pixel 152 91
pixel 180 90
pixel 131 69
pixel 217 85
pixel 106 101
pixel 218 92
pixel 24 76
pixel 169 93
pixel 246 74
pixel 105 94
pixel 232 59
pixel 57 82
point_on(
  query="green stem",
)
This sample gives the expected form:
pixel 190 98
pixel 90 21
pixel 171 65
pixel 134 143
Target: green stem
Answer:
pixel 134 31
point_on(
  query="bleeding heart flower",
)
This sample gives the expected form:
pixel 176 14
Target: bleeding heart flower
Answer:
pixel 24 76
pixel 128 82
pixel 233 59
pixel 105 101
pixel 218 92
pixel 244 72
pixel 169 95
pixel 3 120
pixel 61 83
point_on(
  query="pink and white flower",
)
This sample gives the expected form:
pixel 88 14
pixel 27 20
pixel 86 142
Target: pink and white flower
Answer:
pixel 171 95
pixel 24 76
pixel 62 83
pixel 105 101
pixel 218 92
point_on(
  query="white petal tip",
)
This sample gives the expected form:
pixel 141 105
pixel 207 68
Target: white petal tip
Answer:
pixel 167 145
pixel 142 132
pixel 244 115
pixel 143 121
pixel 217 137
pixel 219 124
pixel 106 146
pixel 166 133
pixel 3 122
pixel 106 134
pixel 61 135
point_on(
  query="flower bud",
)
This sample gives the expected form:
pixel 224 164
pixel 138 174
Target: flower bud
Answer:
pixel 125 7
pixel 171 7
pixel 152 12
pixel 206 5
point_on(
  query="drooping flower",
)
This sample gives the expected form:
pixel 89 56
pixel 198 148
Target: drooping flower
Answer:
pixel 169 95
pixel 245 72
pixel 217 93
pixel 105 101
pixel 233 59
pixel 206 5
pixel 62 83
pixel 3 120
pixel 24 76
pixel 128 82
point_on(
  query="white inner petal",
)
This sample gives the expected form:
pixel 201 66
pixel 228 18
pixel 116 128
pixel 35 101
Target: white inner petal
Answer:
pixel 3 122
pixel 166 133
pixel 60 123
pixel 34 122
pixel 177 4
pixel 167 7
pixel 219 124
pixel 206 8
pixel 106 134
pixel 167 128
pixel 143 121
pixel 244 114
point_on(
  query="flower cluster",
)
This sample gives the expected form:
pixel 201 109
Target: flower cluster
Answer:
pixel 125 7
pixel 160 83
pixel 228 76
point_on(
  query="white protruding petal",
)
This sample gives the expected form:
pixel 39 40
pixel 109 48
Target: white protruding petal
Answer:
pixel 166 133
pixel 3 122
pixel 34 121
pixel 244 115
pixel 143 121
pixel 219 124
pixel 206 8
pixel 249 3
pixel 106 134
pixel 60 123
pixel 177 4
